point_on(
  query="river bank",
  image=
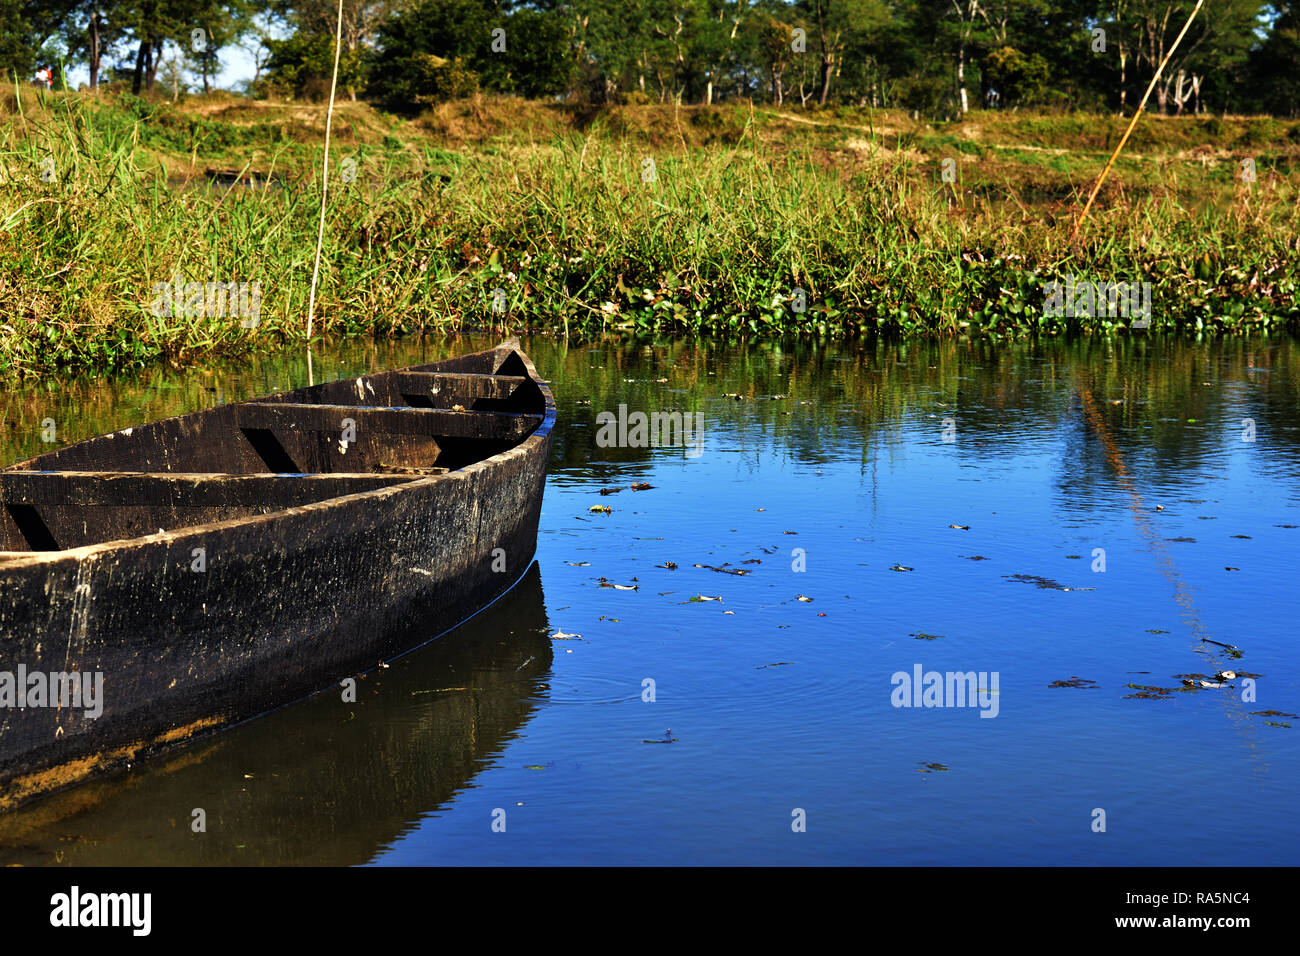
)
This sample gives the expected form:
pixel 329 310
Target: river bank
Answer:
pixel 497 214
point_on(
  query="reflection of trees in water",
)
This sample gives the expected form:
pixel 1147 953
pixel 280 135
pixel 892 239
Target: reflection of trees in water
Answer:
pixel 321 781
pixel 871 393
pixel 1273 400
pixel 866 393
pixel 1162 388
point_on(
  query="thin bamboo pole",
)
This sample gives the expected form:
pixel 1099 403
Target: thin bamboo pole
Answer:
pixel 1133 122
pixel 325 172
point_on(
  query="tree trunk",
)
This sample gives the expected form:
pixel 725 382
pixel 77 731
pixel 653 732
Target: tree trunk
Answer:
pixel 352 90
pixel 961 75
pixel 1123 74
pixel 94 49
pixel 1156 56
pixel 139 68
pixel 822 11
pixel 152 62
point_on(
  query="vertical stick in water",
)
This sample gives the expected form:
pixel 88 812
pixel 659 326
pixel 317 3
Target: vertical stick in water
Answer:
pixel 325 172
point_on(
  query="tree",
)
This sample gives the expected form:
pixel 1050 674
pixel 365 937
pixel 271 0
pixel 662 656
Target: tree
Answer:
pixel 315 22
pixel 1018 78
pixel 16 50
pixel 967 13
pixel 778 51
pixel 154 23
pixel 1217 41
pixel 26 26
pixel 1274 66
pixel 302 64
pixel 102 33
pixel 436 48
pixel 92 31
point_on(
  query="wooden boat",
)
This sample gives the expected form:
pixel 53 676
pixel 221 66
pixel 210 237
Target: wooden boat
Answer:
pixel 207 568
pixel 323 789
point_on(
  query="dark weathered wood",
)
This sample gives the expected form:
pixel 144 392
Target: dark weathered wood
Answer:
pixel 398 420
pixel 202 614
pixel 443 389
pixel 420 389
pixel 199 442
pixel 396 468
pixel 397 768
pixel 88 488
pixel 202 441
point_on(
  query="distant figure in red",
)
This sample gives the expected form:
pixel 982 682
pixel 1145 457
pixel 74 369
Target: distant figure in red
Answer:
pixel 46 74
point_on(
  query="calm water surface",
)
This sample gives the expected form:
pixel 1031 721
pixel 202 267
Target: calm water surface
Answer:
pixel 1109 518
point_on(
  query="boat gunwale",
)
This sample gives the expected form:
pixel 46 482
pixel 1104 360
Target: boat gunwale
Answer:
pixel 16 560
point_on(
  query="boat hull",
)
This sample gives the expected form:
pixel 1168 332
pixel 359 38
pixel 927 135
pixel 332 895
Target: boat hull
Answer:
pixel 287 604
pixel 326 786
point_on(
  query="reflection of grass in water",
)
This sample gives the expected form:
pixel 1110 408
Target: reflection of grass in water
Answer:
pixel 861 394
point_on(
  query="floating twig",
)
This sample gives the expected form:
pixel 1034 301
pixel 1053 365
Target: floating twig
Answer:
pixel 1231 647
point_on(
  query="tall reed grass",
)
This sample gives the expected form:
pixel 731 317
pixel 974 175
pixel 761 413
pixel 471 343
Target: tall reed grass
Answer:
pixel 577 233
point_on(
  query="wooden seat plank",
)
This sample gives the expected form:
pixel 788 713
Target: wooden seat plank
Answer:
pixel 397 420
pixel 463 385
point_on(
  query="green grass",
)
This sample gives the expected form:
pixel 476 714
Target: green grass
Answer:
pixel 552 210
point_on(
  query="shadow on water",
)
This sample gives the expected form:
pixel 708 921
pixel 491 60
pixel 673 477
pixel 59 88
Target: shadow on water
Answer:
pixel 323 782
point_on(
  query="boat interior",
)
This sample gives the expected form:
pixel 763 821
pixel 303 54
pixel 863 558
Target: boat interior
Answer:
pixel 269 454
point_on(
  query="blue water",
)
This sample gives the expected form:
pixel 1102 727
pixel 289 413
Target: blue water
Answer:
pixel 852 467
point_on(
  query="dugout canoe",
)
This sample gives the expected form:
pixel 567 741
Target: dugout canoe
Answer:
pixel 207 568
pixel 323 790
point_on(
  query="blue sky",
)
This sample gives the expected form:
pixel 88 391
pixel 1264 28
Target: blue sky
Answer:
pixel 237 66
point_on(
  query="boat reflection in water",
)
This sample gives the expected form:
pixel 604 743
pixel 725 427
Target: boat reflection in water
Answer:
pixel 322 781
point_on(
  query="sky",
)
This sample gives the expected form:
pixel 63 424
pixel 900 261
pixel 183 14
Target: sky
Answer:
pixel 237 66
